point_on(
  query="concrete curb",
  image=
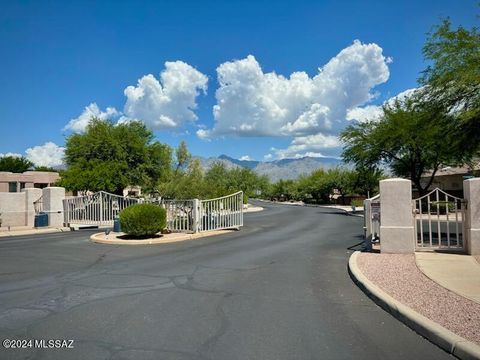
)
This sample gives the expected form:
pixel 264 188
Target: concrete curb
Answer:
pixel 437 334
pixel 112 239
pixel 38 231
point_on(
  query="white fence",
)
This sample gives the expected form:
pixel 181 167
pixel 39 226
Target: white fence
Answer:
pixel 439 220
pixel 222 213
pixel 182 215
pixel 100 208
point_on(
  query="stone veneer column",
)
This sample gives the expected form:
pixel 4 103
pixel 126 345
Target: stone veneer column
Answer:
pixel 471 191
pixel 396 217
pixel 53 205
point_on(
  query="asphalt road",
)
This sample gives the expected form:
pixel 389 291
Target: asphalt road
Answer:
pixel 277 289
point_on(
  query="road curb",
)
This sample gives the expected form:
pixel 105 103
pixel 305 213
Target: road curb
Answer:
pixel 437 334
pixel 112 239
pixel 346 212
pixel 33 231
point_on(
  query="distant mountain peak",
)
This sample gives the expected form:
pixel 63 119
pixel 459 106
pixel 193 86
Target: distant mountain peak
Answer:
pixel 289 168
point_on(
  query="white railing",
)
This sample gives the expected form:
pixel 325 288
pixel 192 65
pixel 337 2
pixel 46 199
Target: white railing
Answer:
pixel 225 212
pixel 371 218
pixel 439 221
pixel 180 215
pixel 194 215
pixel 100 208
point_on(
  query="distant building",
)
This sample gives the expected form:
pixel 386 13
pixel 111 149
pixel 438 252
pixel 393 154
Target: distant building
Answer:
pixel 15 182
pixel 450 179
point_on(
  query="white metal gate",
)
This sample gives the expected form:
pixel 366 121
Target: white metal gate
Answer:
pixel 180 215
pixel 225 212
pixel 100 208
pixel 439 220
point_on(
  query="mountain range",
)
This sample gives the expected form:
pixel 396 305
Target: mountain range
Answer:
pixel 284 169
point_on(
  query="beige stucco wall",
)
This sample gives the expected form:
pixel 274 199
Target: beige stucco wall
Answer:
pixel 30 178
pixel 16 209
pixel 396 226
pixel 472 195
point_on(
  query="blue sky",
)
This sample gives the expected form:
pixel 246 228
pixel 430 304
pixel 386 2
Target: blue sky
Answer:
pixel 57 58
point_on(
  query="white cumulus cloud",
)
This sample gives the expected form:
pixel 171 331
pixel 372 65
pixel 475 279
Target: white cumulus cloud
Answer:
pixel 164 103
pixel 375 112
pixel 80 123
pixel 10 154
pixel 48 154
pixel 245 158
pixel 363 114
pixel 251 102
pixel 310 145
pixel 169 102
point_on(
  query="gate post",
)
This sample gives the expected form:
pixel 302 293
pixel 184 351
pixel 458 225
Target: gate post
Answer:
pixel 396 227
pixel 53 205
pixel 196 215
pixel 471 189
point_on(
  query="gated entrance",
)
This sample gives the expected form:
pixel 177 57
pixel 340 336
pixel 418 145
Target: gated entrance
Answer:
pixel 101 208
pixel 439 220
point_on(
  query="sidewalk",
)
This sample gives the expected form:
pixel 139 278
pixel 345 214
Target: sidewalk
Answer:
pixel 25 230
pixel 438 303
pixel 455 272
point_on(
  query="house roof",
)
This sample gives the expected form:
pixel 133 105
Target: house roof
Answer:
pixel 452 170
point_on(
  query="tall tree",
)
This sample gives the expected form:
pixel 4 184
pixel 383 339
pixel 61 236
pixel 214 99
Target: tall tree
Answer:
pixel 411 137
pixel 183 156
pixel 15 164
pixel 452 81
pixel 111 157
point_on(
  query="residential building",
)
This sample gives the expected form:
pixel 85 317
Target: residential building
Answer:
pixel 15 182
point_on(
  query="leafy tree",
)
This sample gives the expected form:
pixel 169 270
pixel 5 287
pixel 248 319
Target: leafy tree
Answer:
pixel 411 137
pixel 111 157
pixel 45 168
pixel 452 80
pixel 284 190
pixel 15 164
pixel 183 156
pixel 366 180
pixel 185 185
pixel 341 179
pixel 315 187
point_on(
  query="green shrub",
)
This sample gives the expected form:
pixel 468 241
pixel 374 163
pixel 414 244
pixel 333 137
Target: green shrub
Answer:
pixel 356 203
pixel 143 220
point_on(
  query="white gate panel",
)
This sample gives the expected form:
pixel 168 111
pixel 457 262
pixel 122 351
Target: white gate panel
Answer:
pixel 439 221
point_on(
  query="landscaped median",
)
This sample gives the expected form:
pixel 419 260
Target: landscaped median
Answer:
pixel 120 238
pixel 447 319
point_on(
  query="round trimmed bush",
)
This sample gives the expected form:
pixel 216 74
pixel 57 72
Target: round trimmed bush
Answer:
pixel 143 220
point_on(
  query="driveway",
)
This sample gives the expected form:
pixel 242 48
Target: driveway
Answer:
pixel 277 289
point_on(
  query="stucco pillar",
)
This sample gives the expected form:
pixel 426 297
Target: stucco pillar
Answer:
pixel 471 191
pixel 396 217
pixel 53 205
pixel 31 195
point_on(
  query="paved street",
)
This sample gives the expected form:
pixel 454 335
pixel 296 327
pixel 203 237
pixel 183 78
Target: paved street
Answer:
pixel 277 289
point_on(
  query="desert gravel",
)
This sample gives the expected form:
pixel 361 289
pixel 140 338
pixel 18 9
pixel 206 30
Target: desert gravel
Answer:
pixel 398 276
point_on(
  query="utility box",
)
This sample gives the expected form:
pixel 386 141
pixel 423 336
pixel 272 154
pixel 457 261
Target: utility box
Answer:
pixel 116 225
pixel 41 220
